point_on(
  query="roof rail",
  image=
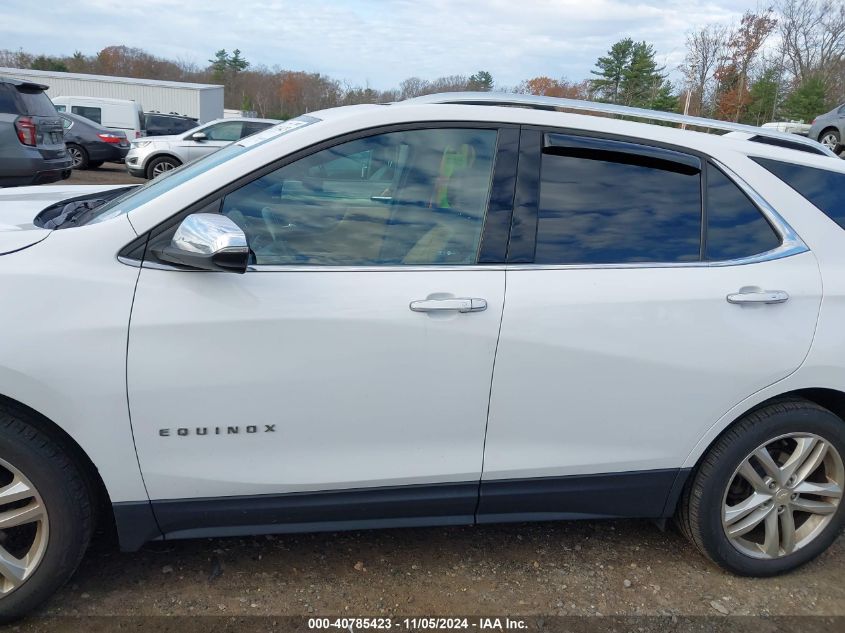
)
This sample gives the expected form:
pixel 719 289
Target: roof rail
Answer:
pixel 757 134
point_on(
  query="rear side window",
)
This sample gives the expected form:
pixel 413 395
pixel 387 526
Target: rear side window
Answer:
pixel 735 226
pixel 251 127
pixel 612 209
pixel 89 112
pixel 821 187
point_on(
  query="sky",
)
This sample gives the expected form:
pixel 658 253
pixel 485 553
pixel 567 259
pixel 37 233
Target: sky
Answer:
pixel 370 42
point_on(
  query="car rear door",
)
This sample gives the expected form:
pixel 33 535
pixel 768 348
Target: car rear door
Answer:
pixel 628 331
pixel 354 357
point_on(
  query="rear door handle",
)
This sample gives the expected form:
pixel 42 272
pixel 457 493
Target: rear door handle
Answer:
pixel 449 305
pixel 761 296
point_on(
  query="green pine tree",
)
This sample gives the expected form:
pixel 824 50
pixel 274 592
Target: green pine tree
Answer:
pixel 611 70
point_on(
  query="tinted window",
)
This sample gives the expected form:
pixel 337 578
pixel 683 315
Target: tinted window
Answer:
pixel 251 127
pixel 606 212
pixel 735 227
pixel 228 131
pixel 91 113
pixel 8 105
pixel 36 102
pixel 821 187
pixel 61 108
pixel 413 197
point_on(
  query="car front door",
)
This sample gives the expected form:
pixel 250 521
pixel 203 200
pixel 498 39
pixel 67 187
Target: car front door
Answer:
pixel 352 363
pixel 217 135
pixel 628 332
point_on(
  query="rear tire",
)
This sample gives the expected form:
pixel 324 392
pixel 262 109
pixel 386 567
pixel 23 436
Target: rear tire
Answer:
pixel 51 487
pixel 160 165
pixel 759 524
pixel 78 156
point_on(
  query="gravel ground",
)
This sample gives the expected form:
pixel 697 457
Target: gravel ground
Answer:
pixel 591 568
pixel 108 174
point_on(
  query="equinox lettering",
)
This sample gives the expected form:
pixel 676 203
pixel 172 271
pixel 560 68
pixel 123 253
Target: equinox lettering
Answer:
pixel 251 429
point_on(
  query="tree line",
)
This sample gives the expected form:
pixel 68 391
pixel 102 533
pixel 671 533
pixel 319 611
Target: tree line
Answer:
pixel 786 61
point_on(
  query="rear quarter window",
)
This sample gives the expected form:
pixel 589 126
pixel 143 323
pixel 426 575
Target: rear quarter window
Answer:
pixel 823 188
pixel 8 104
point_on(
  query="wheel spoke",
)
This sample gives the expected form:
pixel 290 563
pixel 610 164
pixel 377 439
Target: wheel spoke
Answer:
pixel 812 462
pixel 11 568
pixel 829 489
pixel 753 477
pixel 787 531
pixel 748 523
pixel 768 464
pixel 15 491
pixel 744 508
pixel 812 506
pixel 771 544
pixel 804 448
pixel 21 516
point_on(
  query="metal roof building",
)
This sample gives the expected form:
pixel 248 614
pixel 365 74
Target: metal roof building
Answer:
pixel 201 101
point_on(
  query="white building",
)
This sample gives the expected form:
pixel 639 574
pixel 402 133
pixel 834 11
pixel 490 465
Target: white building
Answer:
pixel 201 101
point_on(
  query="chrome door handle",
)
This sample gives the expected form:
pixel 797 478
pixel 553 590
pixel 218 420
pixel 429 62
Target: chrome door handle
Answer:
pixel 449 305
pixel 762 296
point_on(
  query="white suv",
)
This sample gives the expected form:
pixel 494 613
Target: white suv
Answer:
pixel 452 312
pixel 151 156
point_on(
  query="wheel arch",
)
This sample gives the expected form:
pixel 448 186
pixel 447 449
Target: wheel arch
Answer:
pixel 162 154
pixel 830 127
pixel 132 522
pixel 96 485
pixel 831 399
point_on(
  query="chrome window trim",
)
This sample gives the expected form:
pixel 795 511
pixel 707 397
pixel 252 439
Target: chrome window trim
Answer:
pixel 791 244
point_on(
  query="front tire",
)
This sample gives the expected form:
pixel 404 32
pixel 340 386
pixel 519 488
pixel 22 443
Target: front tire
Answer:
pixel 46 515
pixel 161 165
pixel 830 138
pixel 765 498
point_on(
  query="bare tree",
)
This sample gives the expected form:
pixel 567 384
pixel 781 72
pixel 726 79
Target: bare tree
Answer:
pixel 813 38
pixel 705 47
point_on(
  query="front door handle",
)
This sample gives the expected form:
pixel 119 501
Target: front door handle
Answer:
pixel 449 305
pixel 759 296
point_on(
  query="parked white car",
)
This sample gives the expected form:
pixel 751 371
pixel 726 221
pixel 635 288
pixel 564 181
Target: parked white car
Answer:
pixel 153 156
pixel 115 114
pixel 430 313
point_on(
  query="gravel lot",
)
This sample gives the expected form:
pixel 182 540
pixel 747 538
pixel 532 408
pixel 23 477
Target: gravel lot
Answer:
pixel 612 568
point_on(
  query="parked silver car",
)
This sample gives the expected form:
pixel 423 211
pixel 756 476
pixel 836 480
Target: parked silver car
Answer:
pixel 829 128
pixel 152 156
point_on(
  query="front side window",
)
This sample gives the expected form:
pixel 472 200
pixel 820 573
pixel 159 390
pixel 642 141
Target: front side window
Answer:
pixel 228 131
pixel 415 197
pixel 611 209
pixel 93 114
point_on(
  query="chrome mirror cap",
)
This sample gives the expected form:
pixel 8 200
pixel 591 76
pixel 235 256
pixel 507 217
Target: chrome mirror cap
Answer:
pixel 208 241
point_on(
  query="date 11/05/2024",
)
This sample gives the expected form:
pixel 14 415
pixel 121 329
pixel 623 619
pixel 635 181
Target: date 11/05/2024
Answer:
pixel 419 623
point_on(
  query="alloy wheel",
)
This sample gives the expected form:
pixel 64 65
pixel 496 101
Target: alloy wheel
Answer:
pixel 24 528
pixel 162 167
pixel 830 140
pixel 783 495
pixel 75 157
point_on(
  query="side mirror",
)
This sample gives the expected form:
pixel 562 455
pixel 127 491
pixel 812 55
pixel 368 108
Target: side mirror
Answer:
pixel 199 136
pixel 208 241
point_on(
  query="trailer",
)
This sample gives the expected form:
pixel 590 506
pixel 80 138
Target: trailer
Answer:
pixel 200 101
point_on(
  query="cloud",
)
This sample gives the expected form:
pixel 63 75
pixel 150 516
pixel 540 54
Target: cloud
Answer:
pixel 379 42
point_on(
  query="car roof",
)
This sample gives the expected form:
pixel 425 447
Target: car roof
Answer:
pixel 372 115
pixel 27 84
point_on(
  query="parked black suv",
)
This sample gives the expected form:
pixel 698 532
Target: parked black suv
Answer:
pixel 158 124
pixel 32 146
